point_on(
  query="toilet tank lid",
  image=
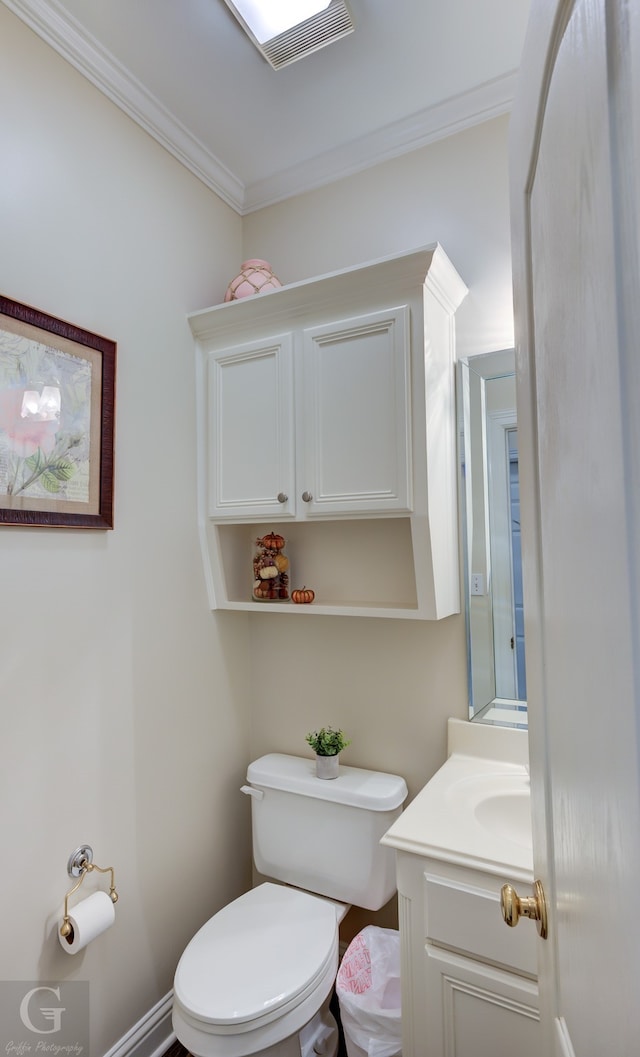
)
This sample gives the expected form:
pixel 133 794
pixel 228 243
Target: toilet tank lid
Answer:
pixel 355 787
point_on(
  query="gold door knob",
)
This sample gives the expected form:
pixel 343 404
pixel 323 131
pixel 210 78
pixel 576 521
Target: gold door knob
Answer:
pixel 514 907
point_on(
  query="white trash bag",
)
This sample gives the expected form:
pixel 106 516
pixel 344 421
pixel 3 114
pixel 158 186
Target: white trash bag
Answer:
pixel 368 989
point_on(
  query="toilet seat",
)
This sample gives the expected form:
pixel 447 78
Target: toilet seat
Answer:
pixel 263 956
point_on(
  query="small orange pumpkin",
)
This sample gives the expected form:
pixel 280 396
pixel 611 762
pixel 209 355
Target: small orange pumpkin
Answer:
pixel 272 541
pixel 302 595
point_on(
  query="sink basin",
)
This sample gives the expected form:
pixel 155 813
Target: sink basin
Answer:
pixel 500 803
pixel 507 814
pixel 473 811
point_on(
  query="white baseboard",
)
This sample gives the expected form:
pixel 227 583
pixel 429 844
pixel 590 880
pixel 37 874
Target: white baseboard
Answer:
pixel 151 1036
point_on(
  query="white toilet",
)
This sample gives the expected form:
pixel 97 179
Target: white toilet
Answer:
pixel 258 976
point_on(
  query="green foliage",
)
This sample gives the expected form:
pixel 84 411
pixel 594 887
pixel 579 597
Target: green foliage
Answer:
pixel 36 462
pixel 56 472
pixel 51 471
pixel 327 741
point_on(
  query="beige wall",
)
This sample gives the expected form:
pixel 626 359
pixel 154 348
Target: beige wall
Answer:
pixel 390 684
pixel 123 697
pixel 129 710
pixel 454 192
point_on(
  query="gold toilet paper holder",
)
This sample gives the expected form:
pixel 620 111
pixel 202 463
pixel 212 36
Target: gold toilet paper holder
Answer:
pixel 79 865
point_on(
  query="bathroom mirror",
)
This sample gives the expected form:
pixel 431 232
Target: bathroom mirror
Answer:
pixel 490 511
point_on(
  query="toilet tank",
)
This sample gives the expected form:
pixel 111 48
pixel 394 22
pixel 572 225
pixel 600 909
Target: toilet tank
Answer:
pixel 324 835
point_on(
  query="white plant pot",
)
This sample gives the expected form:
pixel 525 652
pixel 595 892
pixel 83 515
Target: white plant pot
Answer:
pixel 327 766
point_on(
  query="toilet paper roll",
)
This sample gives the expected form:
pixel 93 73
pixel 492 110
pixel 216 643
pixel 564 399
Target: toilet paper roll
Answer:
pixel 88 919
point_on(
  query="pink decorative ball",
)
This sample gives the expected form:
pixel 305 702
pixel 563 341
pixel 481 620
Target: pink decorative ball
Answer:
pixel 255 277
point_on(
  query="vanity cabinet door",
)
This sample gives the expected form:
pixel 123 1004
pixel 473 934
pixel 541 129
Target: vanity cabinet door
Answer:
pixel 355 425
pixel 468 982
pixel 475 1010
pixel 250 450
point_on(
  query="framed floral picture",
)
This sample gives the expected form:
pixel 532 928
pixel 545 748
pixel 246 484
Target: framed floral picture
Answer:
pixel 57 399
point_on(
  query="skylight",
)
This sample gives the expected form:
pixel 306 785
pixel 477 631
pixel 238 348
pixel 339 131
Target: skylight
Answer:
pixel 269 18
pixel 287 30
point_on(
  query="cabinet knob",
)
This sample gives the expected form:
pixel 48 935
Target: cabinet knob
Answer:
pixel 281 497
pixel 514 907
pixel 306 497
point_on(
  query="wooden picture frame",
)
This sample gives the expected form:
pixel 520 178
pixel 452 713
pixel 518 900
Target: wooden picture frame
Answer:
pixel 57 403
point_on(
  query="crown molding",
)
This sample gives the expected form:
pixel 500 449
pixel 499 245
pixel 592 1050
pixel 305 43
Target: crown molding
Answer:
pixel 66 36
pixel 487 101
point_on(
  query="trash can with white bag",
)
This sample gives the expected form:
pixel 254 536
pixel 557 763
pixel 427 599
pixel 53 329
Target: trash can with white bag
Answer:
pixel 368 989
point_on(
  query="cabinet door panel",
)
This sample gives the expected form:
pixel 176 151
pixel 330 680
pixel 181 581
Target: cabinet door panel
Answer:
pixel 477 1011
pixel 357 456
pixel 251 444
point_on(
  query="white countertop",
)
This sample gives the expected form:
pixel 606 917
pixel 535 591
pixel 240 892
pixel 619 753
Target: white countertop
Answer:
pixel 474 812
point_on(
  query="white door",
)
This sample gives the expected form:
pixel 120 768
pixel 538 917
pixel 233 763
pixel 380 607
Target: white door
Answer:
pixel 575 177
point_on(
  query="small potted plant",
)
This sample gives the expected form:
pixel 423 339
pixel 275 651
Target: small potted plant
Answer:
pixel 327 744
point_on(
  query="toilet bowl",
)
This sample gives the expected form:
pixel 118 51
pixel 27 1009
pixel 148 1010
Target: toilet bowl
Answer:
pixel 258 973
pixel 257 978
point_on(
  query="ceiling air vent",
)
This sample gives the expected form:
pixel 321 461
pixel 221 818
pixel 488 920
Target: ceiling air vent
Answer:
pixel 308 36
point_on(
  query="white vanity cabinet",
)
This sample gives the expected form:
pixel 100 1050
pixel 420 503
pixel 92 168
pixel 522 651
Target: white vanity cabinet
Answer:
pixel 469 985
pixel 469 982
pixel 326 412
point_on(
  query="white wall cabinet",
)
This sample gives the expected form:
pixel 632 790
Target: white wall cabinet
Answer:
pixel 337 444
pixel 469 986
pixel 326 412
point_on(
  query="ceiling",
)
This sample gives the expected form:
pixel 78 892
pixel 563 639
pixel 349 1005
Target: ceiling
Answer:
pixel 413 71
